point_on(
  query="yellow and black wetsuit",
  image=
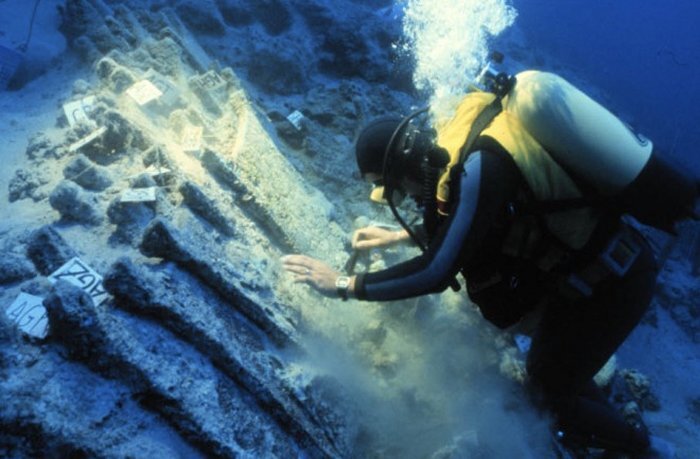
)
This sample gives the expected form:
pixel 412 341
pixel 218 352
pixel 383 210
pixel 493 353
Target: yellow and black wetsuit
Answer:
pixel 575 336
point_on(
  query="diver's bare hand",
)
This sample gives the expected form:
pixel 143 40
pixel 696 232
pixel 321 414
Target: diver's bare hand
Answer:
pixel 312 272
pixel 371 237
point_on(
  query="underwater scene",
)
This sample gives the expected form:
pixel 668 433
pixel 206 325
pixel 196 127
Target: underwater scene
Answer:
pixel 380 229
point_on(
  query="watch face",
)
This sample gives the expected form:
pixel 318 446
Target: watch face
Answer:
pixel 342 282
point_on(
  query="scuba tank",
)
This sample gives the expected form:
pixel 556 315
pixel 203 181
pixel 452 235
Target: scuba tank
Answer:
pixel 566 144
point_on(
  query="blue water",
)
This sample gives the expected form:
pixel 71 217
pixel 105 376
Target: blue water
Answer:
pixel 644 54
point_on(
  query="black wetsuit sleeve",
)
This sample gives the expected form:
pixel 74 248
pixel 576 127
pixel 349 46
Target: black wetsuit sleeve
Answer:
pixel 472 214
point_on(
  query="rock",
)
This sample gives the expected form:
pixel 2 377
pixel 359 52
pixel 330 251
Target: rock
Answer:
pixel 291 135
pixel 26 184
pixel 201 17
pixel 130 218
pixel 15 268
pixel 277 73
pixel 640 387
pixel 116 77
pixel 73 203
pixel 106 38
pixel 206 208
pixel 193 252
pixel 41 147
pixel 204 406
pixel 165 56
pixel 235 13
pixel 225 172
pixel 87 174
pixel 7 335
pixel 121 134
pixel 74 322
pixel 80 87
pixel 274 16
pixel 207 325
pixel 48 250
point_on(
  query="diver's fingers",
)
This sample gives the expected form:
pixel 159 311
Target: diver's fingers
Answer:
pixel 367 244
pixel 297 260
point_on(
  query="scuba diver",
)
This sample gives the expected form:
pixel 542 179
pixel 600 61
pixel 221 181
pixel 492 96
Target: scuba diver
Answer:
pixel 523 191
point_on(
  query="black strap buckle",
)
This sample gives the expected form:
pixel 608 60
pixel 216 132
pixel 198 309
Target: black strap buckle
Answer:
pixel 622 252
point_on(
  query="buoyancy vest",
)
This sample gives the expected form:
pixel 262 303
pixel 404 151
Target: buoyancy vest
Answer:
pixel 553 131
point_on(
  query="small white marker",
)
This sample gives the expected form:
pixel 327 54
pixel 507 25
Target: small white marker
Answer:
pixel 144 92
pixel 296 118
pixel 29 314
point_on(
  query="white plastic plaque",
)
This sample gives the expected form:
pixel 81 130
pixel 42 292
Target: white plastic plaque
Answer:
pixel 139 195
pixel 29 314
pixel 155 171
pixel 296 117
pixel 81 275
pixel 144 92
pixel 78 111
pixel 87 139
pixel 192 139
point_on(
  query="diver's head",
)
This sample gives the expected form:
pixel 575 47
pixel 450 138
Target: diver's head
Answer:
pixel 400 166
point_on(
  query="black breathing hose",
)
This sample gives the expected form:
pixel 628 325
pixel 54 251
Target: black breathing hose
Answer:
pixel 23 47
pixel 388 184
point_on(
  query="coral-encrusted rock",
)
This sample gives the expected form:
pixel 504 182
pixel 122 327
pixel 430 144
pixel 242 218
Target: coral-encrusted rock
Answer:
pixel 76 204
pixel 274 15
pixel 130 217
pixel 87 174
pixel 235 13
pixel 201 17
pixel 27 184
pixel 41 147
pixel 225 172
pixel 277 73
pixel 640 388
pixel 166 375
pixel 172 297
pixel 116 77
pixel 206 208
pixel 48 250
pixel 74 321
pixel 14 268
pixel 7 334
pixel 197 254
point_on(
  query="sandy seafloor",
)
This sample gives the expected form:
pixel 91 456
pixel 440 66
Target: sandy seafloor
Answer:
pixel 659 348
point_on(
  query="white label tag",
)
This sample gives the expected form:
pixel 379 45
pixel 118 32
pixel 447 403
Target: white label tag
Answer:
pixel 169 94
pixel 81 275
pixel 139 195
pixel 29 314
pixel 296 117
pixel 79 111
pixel 192 139
pixel 155 171
pixel 87 139
pixel 210 81
pixel 144 92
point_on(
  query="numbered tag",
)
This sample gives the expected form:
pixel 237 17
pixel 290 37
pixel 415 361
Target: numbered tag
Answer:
pixel 29 315
pixel 296 118
pixel 210 81
pixel 192 139
pixel 81 275
pixel 139 195
pixel 78 111
pixel 87 139
pixel 144 92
